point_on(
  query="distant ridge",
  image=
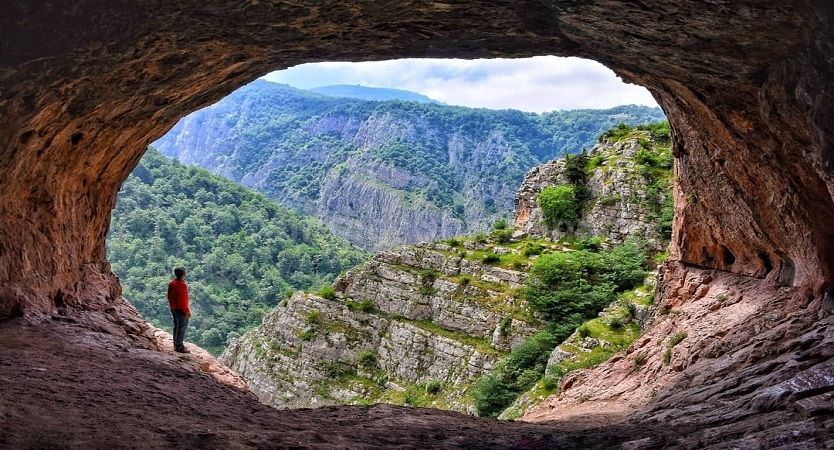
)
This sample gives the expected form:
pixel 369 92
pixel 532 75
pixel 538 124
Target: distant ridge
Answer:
pixel 371 93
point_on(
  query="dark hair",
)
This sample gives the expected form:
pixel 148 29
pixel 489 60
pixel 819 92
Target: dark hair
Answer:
pixel 179 272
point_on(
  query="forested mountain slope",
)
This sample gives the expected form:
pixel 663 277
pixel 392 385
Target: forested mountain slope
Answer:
pixel 243 252
pixel 381 173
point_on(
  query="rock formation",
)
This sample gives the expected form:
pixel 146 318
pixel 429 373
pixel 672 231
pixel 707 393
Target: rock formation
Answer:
pixel 747 86
pixel 411 316
pixel 618 205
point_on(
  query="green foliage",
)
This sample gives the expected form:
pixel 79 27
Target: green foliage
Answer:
pixel 583 331
pixel 454 243
pixel 514 374
pixel 580 283
pixel 368 360
pixel 592 243
pixel 433 387
pixel 504 325
pixel 615 134
pixel 427 278
pixel 674 340
pixel 360 306
pixel 500 224
pixel 307 335
pixel 315 138
pixel 559 205
pixel 313 317
pixel 640 359
pixel 616 323
pixel 327 292
pixel 491 258
pixel 243 252
pixel 501 236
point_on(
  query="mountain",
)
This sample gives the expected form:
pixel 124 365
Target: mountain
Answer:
pixel 243 252
pixel 472 323
pixel 371 93
pixel 382 173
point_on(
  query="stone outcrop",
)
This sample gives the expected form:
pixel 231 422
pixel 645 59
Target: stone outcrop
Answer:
pixel 617 207
pixel 411 316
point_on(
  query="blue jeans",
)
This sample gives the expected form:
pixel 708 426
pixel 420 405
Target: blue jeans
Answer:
pixel 180 324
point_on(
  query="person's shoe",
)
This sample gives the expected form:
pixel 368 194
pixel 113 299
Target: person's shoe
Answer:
pixel 181 350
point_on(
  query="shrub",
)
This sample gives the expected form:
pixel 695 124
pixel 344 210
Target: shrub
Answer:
pixel 640 359
pixel 454 243
pixel 361 306
pixel 592 243
pixel 581 282
pixel 307 334
pixel 616 323
pixel 327 292
pixel 480 238
pixel 504 325
pixel 559 205
pixel 525 364
pixel 368 360
pixel 500 224
pixel 631 310
pixel 575 168
pixel 502 236
pixel 677 338
pixel 433 387
pixel 413 397
pixel 531 249
pixel 427 278
pixel 583 331
pixel 615 134
pixel 491 258
pixel 313 316
pixel 493 394
pixel 465 280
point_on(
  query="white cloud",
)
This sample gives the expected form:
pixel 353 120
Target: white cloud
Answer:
pixel 538 84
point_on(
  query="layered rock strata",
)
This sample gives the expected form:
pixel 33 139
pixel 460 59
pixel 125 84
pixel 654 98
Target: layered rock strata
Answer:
pixel 402 321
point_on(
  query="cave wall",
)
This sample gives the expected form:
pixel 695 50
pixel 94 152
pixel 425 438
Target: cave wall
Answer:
pixel 85 86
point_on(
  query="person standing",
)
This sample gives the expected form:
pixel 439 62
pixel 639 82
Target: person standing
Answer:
pixel 178 300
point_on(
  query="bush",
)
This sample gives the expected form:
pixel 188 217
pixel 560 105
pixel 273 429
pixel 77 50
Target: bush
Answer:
pixel 413 397
pixel 327 292
pixel 525 364
pixel 433 387
pixel 491 258
pixel 307 335
pixel 493 394
pixel 616 323
pixel 454 243
pixel 640 359
pixel 361 306
pixel 313 316
pixel 427 278
pixel 502 236
pixel 500 224
pixel 581 283
pixel 532 249
pixel 592 243
pixel 465 280
pixel 368 360
pixel 583 331
pixel 559 205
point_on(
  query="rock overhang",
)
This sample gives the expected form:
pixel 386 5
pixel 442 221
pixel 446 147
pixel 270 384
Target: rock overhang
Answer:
pixel 86 86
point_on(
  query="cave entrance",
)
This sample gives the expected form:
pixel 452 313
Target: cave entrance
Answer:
pixel 385 153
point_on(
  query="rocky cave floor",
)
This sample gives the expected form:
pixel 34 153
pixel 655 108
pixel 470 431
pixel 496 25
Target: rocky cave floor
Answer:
pixel 64 385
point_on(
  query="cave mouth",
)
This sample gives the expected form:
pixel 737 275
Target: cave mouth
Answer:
pixel 154 235
pixel 67 151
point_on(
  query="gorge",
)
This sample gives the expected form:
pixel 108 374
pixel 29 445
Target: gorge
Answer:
pixel 747 87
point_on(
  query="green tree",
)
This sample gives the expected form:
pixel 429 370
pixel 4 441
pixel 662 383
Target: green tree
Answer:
pixel 559 205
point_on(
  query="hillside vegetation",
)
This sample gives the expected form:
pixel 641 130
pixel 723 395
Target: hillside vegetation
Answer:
pixel 243 252
pixel 381 173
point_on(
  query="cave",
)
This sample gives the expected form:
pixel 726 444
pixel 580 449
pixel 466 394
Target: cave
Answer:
pixel 747 86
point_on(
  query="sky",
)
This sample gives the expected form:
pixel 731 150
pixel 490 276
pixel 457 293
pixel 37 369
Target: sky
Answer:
pixel 538 84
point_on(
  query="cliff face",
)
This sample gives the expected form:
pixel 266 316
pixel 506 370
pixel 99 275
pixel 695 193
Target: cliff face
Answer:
pixel 382 173
pixel 421 324
pixel 411 318
pixel 624 197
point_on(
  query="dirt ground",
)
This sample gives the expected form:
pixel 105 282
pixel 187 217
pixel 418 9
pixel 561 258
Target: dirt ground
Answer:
pixel 64 386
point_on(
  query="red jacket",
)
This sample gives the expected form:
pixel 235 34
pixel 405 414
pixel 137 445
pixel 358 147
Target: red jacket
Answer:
pixel 178 296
